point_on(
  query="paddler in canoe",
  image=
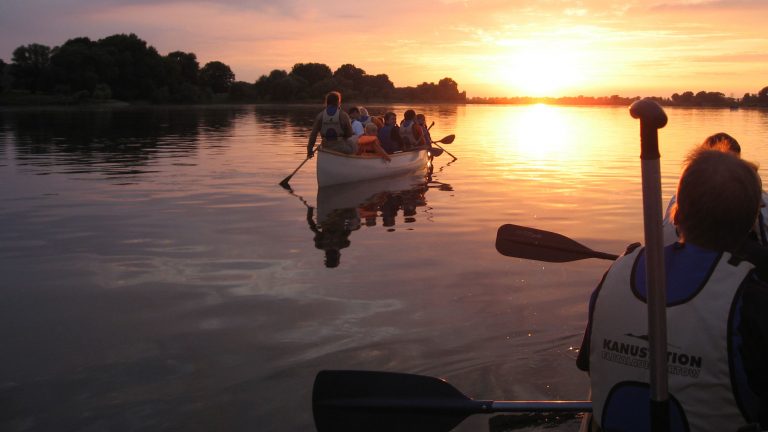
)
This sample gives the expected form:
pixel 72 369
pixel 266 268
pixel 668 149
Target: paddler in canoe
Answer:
pixel 723 142
pixel 334 126
pixel 717 355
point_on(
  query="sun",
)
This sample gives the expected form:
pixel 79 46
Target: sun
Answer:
pixel 541 68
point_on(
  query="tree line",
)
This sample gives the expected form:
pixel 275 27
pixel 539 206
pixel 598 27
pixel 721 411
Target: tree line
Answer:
pixel 687 99
pixel 126 68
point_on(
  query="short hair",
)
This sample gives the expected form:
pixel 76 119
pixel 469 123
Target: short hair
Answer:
pixel 389 115
pixel 723 142
pixel 353 110
pixel 718 199
pixel 420 117
pixel 409 115
pixel 333 99
pixel 371 128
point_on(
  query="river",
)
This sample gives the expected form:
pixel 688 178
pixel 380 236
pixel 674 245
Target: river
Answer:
pixel 156 277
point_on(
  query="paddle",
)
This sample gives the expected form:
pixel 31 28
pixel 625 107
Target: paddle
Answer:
pixel 446 140
pixel 531 243
pixel 652 118
pixel 344 400
pixel 285 181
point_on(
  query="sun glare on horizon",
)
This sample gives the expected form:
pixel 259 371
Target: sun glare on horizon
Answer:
pixel 541 68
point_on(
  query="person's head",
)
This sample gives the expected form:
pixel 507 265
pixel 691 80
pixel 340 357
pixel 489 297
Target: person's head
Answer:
pixel 409 115
pixel 378 121
pixel 354 113
pixel 723 142
pixel 718 199
pixel 390 118
pixel 363 112
pixel 371 129
pixel 333 99
pixel 421 119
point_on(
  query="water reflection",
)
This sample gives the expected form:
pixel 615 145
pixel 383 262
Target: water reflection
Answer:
pixel 112 142
pixel 342 209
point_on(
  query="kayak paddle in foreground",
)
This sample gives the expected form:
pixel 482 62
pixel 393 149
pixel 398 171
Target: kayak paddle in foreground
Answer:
pixel 531 243
pixel 346 401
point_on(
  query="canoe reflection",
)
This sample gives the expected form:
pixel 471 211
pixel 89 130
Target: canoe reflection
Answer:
pixel 344 208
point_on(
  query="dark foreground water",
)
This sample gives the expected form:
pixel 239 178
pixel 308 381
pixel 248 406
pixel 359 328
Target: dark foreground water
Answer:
pixel 154 276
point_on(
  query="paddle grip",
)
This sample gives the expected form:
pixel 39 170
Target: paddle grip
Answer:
pixel 652 118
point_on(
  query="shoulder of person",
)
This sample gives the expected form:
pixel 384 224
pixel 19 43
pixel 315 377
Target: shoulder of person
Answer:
pixel 631 248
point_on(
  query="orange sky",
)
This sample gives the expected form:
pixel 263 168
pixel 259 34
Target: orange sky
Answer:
pixel 490 47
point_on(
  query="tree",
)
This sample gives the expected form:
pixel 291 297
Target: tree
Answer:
pixel 350 73
pixel 3 70
pixel 31 66
pixel 75 66
pixel 131 68
pixel 312 73
pixel 182 67
pixel 762 96
pixel 217 76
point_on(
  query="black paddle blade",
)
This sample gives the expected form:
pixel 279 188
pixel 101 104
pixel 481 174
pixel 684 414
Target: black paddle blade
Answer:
pixel 347 401
pixel 447 140
pixel 530 243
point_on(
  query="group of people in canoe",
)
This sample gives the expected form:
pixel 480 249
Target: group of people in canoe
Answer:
pixel 717 307
pixel 355 132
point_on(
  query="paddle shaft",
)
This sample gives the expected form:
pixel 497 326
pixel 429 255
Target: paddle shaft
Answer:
pixel 287 179
pixel 467 407
pixel 652 118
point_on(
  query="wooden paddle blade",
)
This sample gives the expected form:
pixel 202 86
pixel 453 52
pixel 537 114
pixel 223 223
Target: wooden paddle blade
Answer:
pixel 384 401
pixel 530 243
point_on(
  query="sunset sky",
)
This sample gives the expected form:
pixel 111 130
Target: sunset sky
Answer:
pixel 490 47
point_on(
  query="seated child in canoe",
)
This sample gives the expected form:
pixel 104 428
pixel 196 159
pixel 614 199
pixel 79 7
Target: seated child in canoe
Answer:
pixel 369 143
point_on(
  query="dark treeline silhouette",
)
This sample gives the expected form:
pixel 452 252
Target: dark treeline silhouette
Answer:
pixel 689 99
pixel 125 68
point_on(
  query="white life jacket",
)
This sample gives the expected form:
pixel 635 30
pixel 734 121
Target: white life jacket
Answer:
pixel 697 338
pixel 331 127
pixel 406 133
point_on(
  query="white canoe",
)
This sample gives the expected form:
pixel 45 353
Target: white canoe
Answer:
pixel 336 168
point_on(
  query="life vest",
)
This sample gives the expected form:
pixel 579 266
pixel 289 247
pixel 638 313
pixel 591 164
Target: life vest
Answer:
pixel 385 139
pixel 331 127
pixel 406 133
pixel 699 374
pixel 365 144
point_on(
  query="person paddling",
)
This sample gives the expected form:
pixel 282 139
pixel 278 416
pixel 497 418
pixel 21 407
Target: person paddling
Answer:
pixel 334 126
pixel 717 326
pixel 410 132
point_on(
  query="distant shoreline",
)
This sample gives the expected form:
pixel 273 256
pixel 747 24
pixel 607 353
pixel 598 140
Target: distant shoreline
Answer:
pixel 40 100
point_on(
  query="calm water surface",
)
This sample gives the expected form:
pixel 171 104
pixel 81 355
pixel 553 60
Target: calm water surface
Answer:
pixel 156 277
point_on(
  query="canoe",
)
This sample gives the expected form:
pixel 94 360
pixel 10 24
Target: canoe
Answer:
pixel 336 168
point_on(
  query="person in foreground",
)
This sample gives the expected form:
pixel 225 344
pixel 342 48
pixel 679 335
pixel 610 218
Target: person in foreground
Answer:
pixel 717 328
pixel 334 126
